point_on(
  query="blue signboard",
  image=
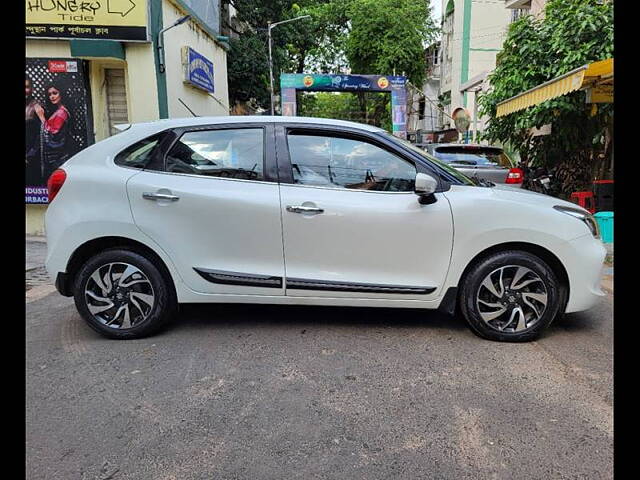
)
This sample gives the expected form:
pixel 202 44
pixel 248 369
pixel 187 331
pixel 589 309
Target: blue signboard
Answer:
pixel 198 70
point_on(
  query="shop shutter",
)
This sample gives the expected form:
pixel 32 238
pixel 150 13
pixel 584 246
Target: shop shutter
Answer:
pixel 116 98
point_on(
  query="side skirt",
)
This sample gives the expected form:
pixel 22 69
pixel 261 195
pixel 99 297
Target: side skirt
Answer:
pixel 305 284
pixel 236 278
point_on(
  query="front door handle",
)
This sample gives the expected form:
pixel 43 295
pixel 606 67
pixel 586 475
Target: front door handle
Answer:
pixel 303 209
pixel 160 196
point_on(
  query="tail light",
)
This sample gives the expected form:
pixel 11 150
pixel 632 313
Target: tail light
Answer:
pixel 55 182
pixel 515 175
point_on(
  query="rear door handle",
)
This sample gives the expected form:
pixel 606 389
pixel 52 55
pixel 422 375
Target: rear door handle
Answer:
pixel 160 196
pixel 303 209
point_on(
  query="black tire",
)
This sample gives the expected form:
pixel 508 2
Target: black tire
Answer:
pixel 471 284
pixel 164 306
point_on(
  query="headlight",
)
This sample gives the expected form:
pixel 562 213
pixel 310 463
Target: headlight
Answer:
pixel 583 215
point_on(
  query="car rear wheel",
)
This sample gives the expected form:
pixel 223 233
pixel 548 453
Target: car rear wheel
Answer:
pixel 511 296
pixel 121 294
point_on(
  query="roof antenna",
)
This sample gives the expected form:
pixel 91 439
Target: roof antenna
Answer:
pixel 187 107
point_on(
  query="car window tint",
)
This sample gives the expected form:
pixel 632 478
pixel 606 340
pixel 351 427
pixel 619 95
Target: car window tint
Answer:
pixel 139 154
pixel 347 163
pixel 234 153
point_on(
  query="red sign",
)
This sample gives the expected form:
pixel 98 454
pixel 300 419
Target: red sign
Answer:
pixel 57 66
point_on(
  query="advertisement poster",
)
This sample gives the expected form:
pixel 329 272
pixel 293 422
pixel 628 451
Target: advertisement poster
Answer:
pixel 57 119
pixel 105 20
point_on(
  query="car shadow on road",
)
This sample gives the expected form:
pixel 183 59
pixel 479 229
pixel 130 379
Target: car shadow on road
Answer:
pixel 211 316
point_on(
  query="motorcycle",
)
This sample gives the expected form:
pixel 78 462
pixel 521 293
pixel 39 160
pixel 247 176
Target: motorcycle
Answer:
pixel 541 180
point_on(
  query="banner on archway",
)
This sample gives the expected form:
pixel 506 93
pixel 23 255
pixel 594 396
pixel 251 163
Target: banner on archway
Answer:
pixel 396 85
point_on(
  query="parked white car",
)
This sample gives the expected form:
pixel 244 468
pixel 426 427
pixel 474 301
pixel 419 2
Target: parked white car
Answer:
pixel 291 210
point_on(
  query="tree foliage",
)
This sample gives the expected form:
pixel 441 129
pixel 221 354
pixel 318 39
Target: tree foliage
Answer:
pixel 313 41
pixel 389 36
pixel 346 106
pixel 572 33
pixel 361 36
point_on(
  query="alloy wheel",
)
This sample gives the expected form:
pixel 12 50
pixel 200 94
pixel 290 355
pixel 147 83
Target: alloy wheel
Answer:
pixel 512 298
pixel 119 295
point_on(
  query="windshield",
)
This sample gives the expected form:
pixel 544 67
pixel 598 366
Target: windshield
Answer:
pixel 450 170
pixel 476 156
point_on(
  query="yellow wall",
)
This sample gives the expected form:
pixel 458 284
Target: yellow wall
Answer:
pixel 140 75
pixel 190 34
pixel 35 219
pixel 142 90
pixel 48 48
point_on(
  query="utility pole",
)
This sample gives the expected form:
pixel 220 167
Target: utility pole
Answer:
pixel 270 26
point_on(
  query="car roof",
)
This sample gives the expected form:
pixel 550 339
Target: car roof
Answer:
pixel 197 121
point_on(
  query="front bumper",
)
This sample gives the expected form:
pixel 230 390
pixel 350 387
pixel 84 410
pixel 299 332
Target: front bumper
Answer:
pixel 583 259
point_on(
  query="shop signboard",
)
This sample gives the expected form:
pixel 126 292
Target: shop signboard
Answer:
pixel 198 70
pixel 124 20
pixel 57 119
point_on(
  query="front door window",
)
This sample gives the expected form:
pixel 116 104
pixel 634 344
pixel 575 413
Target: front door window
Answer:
pixel 347 163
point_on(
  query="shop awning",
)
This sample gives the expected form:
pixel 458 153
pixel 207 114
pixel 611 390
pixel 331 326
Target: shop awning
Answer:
pixel 597 76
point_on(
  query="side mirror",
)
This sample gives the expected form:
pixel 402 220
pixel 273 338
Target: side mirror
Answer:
pixel 425 188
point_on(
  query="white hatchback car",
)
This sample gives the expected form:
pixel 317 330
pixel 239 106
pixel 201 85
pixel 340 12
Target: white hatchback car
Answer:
pixel 291 210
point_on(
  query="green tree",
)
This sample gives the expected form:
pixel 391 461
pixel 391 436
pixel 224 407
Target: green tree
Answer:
pixel 314 41
pixel 388 36
pixel 571 34
pixel 363 36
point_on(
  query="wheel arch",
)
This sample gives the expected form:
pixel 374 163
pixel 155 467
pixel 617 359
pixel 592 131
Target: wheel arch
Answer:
pixel 96 245
pixel 543 253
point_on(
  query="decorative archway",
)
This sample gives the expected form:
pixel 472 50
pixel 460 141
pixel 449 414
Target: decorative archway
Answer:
pixel 310 82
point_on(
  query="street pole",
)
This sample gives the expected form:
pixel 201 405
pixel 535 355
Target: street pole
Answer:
pixel 160 47
pixel 269 27
pixel 270 70
pixel 475 116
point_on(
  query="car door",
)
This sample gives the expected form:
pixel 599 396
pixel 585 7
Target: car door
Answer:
pixel 352 224
pixel 211 202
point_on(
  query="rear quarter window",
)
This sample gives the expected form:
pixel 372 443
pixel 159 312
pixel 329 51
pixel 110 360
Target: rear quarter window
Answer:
pixel 139 154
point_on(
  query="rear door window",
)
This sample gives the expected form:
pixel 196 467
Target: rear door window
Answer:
pixel 228 153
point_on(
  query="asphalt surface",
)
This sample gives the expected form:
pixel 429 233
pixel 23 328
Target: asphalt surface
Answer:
pixel 255 392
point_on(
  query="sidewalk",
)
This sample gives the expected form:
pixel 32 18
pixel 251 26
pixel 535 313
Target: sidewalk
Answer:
pixel 36 252
pixel 37 281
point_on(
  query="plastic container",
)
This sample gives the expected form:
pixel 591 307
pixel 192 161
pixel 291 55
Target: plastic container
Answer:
pixel 605 223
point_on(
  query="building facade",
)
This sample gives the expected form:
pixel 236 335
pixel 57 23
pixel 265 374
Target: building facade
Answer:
pixel 525 7
pixel 123 78
pixel 472 36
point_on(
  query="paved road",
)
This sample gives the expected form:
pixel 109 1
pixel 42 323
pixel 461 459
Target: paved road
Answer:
pixel 241 392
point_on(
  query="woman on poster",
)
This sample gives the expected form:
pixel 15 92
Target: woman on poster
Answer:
pixel 55 140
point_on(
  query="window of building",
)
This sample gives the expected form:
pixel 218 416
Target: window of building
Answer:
pixel 348 163
pixel 236 153
pixel 116 98
pixel 516 13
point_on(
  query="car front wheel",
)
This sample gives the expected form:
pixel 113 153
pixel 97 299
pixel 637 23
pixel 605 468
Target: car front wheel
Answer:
pixel 121 294
pixel 511 296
